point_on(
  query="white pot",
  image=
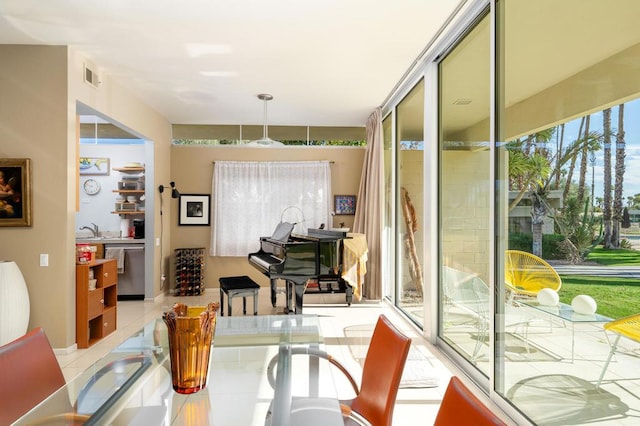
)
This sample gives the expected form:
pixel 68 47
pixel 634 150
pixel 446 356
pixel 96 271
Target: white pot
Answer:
pixel 14 303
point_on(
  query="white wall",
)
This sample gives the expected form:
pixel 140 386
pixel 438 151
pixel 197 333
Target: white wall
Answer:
pixel 97 208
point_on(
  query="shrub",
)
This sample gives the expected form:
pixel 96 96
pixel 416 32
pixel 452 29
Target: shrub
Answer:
pixel 550 244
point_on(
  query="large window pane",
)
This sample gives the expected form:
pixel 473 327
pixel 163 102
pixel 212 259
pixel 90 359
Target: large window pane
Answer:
pixel 568 108
pixel 388 223
pixel 409 205
pixel 464 168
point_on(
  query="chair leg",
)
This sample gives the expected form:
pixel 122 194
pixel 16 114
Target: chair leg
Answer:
pixel 606 365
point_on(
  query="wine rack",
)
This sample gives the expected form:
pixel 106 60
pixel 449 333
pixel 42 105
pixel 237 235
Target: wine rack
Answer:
pixel 189 271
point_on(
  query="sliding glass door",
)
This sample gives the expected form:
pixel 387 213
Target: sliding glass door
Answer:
pixel 465 198
pixel 409 204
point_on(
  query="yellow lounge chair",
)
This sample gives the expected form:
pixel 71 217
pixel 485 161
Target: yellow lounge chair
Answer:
pixel 628 327
pixel 526 274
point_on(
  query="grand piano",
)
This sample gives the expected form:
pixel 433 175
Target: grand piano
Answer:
pixel 311 262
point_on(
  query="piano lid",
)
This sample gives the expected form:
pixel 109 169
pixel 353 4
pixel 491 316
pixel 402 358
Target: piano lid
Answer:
pixel 327 234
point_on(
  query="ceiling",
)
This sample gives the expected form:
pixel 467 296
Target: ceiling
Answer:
pixel 326 62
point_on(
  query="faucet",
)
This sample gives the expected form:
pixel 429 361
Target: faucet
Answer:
pixel 93 229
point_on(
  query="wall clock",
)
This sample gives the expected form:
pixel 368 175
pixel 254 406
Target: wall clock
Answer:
pixel 91 186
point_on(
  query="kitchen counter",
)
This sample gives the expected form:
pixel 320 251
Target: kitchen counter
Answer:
pixel 109 240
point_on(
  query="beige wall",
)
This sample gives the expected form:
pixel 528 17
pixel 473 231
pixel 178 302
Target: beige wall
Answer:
pixel 192 170
pixel 130 113
pixel 33 117
pixel 465 211
pixel 39 86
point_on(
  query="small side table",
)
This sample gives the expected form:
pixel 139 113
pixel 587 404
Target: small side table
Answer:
pixel 565 313
pixel 238 286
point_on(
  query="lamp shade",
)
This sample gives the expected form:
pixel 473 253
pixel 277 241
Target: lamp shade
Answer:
pixel 14 303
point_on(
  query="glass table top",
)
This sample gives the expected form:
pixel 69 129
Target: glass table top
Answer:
pixel 133 381
pixel 565 312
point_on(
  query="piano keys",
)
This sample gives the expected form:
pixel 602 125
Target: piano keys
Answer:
pixel 299 258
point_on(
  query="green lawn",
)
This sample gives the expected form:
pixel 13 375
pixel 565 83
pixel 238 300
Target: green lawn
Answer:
pixel 616 297
pixel 620 257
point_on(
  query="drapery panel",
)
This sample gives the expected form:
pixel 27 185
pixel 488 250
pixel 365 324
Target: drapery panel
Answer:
pixel 250 198
pixel 368 218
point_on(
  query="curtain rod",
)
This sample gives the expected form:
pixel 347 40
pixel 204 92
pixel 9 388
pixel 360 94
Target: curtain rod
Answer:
pixel 281 161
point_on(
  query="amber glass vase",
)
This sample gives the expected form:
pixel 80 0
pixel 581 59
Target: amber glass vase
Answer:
pixel 191 331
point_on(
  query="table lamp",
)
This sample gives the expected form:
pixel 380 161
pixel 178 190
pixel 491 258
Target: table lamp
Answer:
pixel 14 303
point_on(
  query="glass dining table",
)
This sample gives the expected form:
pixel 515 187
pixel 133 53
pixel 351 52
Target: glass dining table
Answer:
pixel 132 383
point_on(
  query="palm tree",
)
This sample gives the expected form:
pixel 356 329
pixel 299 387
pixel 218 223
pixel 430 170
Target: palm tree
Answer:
pixel 617 195
pixel 583 162
pixel 559 147
pixel 533 171
pixel 606 202
pixel 572 166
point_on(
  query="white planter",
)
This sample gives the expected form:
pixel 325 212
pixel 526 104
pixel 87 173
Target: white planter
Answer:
pixel 14 303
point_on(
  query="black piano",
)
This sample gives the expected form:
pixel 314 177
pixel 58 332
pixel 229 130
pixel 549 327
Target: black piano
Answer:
pixel 297 259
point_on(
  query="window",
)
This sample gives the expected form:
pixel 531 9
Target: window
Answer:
pixel 251 198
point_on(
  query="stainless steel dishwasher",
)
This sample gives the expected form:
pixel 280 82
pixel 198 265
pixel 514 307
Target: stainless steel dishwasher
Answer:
pixel 131 279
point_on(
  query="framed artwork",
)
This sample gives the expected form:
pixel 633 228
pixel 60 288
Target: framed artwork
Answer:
pixel 345 204
pixel 194 209
pixel 15 192
pixel 94 166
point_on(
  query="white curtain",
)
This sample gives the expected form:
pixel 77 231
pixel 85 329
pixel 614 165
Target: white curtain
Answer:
pixel 250 199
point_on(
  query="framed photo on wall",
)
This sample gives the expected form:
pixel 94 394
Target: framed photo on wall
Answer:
pixel 194 209
pixel 15 192
pixel 94 166
pixel 345 204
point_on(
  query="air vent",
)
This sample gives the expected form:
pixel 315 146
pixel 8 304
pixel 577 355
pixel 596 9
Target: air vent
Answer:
pixel 90 76
pixel 462 101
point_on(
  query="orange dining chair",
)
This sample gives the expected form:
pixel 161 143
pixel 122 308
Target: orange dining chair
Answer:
pixel 461 407
pixel 381 374
pixel 30 373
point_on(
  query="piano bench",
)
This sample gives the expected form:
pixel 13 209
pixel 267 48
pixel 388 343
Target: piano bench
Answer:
pixel 238 286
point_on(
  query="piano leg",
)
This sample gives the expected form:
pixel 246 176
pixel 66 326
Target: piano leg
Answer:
pixel 288 286
pixel 274 287
pixel 348 292
pixel 299 292
pixel 295 289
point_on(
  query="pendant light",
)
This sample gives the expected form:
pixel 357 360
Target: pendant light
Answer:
pixel 266 141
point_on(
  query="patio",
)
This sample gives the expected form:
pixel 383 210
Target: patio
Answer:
pixel 552 366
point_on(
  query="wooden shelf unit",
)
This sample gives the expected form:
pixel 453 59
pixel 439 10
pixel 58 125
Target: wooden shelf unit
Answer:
pixel 129 169
pixel 137 192
pixel 96 310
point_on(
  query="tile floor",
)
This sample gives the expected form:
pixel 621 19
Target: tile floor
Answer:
pixel 335 317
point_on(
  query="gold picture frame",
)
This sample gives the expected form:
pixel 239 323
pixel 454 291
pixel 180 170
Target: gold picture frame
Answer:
pixel 15 192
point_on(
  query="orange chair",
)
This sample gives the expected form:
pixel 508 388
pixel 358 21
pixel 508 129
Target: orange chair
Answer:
pixel 381 375
pixel 30 373
pixel 461 407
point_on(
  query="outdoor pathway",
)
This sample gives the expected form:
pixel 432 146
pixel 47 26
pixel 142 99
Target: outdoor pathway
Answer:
pixel 599 270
